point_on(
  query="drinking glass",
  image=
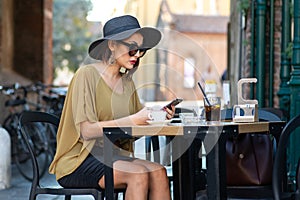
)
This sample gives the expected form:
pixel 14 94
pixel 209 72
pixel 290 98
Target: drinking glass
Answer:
pixel 212 107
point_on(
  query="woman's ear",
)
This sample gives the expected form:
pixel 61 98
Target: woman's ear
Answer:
pixel 111 45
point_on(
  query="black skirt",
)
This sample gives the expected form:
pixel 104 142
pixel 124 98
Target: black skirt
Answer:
pixel 91 170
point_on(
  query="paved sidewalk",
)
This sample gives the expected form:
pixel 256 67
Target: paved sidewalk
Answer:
pixel 20 188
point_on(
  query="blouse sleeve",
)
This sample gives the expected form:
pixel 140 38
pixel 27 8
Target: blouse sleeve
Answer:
pixel 83 98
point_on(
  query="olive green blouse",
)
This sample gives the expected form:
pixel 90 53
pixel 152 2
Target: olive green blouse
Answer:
pixel 89 98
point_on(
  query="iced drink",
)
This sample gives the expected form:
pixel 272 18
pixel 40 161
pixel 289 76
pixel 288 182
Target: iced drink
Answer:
pixel 212 108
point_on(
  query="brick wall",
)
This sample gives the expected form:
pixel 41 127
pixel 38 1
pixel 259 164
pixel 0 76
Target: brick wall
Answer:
pixel 28 39
pixel 277 49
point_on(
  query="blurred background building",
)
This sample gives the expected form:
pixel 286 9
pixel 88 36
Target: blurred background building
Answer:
pixel 199 28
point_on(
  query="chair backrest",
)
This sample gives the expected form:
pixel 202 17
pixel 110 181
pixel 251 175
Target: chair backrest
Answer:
pixel 32 117
pixel 279 167
pixel 298 176
pixel 297 193
pixel 226 114
pixel 263 115
pixel 282 114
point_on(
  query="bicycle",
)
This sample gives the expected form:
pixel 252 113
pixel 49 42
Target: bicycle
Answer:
pixel 53 98
pixel 17 103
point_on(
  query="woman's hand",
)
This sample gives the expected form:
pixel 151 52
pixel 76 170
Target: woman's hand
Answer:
pixel 140 117
pixel 170 112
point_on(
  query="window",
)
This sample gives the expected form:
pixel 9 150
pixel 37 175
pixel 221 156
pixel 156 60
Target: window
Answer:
pixel 189 73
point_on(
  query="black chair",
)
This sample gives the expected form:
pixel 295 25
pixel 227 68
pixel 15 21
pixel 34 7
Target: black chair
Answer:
pixel 263 114
pixel 279 180
pixel 36 189
pixel 282 114
pixel 255 191
pixel 297 193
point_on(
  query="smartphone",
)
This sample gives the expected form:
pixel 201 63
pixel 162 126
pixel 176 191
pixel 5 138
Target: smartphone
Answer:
pixel 174 103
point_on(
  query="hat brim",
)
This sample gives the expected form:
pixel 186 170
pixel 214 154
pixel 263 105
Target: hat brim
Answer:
pixel 151 37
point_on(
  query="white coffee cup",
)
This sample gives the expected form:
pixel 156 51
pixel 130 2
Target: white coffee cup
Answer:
pixel 157 114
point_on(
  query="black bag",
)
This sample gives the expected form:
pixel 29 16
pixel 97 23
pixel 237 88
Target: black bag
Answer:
pixel 249 160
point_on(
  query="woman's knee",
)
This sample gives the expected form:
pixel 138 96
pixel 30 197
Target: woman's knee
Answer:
pixel 161 171
pixel 139 178
pixel 156 171
pixel 133 173
pixel 159 174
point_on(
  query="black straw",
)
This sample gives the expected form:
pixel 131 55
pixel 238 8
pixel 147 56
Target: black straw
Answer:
pixel 205 97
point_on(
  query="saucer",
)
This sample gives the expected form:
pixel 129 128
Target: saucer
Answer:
pixel 158 122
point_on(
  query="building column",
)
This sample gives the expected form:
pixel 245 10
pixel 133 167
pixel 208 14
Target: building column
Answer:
pixel 7 41
pixel 295 87
pixel 260 51
pixel 285 70
pixel 48 68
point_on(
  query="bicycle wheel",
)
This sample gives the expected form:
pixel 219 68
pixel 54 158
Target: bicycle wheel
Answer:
pixel 19 152
pixel 40 145
pixel 11 125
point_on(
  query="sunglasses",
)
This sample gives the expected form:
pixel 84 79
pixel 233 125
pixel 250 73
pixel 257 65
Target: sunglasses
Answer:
pixel 133 49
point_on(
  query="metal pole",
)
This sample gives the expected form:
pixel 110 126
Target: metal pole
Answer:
pixel 295 86
pixel 260 49
pixel 252 71
pixel 285 70
pixel 271 57
pixel 295 76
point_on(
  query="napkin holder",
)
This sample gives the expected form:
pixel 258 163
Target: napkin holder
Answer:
pixel 246 110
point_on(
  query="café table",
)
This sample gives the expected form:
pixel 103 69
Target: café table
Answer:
pixel 213 134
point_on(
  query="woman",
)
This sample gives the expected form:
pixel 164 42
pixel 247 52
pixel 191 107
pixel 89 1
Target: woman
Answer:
pixel 103 94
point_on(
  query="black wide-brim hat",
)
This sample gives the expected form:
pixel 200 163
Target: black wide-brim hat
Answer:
pixel 120 28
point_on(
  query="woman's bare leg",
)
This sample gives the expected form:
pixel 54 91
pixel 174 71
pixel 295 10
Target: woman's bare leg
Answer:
pixel 158 181
pixel 133 176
